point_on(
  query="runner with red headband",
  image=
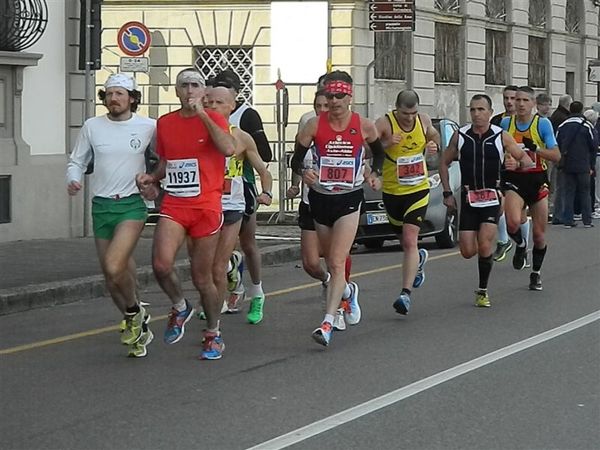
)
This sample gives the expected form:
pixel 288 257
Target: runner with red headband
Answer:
pixel 335 179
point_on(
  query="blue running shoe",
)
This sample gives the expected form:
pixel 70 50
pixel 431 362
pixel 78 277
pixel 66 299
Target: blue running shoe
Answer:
pixel 176 324
pixel 352 312
pixel 402 304
pixel 212 346
pixel 322 335
pixel 420 277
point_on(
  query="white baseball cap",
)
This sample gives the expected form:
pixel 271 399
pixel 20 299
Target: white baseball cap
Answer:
pixel 120 80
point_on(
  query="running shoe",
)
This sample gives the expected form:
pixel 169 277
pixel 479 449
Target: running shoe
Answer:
pixel 339 323
pixel 255 314
pixel 322 335
pixel 133 327
pixel 176 325
pixel 577 216
pixel 122 325
pixel 138 350
pixel 402 304
pixel 482 299
pixel 212 346
pixel 233 302
pixel 352 313
pixel 570 225
pixel 520 258
pixel 535 282
pixel 502 249
pixel 420 276
pixel 588 225
pixel 234 276
pixel 596 215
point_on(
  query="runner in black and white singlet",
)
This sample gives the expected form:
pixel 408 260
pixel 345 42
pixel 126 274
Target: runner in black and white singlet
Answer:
pixel 335 182
pixel 479 148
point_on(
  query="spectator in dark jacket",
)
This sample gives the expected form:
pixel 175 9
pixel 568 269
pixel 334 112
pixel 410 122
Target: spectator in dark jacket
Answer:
pixel 561 113
pixel 578 146
pixel 592 116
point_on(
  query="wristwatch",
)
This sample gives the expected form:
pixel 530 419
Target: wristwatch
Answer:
pixel 447 194
pixel 268 194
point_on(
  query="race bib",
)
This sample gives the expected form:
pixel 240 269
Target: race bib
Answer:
pixel 183 177
pixel 410 169
pixel 482 198
pixel 337 172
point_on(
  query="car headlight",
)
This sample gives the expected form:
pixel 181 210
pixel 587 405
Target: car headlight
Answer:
pixel 434 180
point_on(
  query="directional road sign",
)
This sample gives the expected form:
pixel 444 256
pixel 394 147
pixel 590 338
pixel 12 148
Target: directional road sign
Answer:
pixel 133 38
pixel 391 15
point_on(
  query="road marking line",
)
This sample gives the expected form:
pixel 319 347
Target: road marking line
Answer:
pixel 94 332
pixel 348 415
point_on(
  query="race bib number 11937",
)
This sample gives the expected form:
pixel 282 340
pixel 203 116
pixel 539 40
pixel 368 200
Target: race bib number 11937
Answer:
pixel 182 177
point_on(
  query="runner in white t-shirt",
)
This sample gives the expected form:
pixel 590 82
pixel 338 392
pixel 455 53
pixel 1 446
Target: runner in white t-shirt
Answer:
pixel 119 143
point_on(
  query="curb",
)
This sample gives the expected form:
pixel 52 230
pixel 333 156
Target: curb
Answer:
pixel 43 295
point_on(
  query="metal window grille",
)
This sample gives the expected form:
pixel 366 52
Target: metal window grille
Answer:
pixel 496 63
pixel 536 72
pixel 391 55
pixel 5 199
pixel 212 60
pixel 573 16
pixel 447 46
pixel 495 9
pixel 451 6
pixel 538 13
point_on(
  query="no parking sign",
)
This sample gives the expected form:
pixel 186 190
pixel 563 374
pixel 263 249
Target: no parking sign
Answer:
pixel 133 38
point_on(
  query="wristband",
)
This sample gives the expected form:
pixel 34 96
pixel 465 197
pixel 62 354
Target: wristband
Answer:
pixel 268 194
pixel 447 194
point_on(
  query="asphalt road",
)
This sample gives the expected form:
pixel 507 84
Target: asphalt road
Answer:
pixel 523 374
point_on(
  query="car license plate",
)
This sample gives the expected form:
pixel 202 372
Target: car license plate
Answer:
pixel 376 218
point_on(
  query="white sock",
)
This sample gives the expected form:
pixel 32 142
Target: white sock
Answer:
pixel 328 318
pixel 180 305
pixel 327 278
pixel 255 290
pixel 229 266
pixel 347 292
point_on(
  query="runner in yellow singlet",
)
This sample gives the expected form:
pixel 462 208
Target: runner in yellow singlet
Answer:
pixel 407 137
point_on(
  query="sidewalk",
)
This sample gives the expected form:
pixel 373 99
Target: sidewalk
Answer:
pixel 45 272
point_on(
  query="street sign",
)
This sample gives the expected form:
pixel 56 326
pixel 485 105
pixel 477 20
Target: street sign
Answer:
pixel 139 64
pixel 133 38
pixel 594 71
pixel 391 15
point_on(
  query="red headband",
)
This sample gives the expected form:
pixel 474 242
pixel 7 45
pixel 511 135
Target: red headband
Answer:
pixel 337 86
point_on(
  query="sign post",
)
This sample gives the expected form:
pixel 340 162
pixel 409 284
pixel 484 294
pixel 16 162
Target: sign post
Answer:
pixel 134 40
pixel 391 15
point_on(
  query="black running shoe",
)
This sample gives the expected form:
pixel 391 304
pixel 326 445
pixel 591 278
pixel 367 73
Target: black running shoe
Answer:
pixel 535 282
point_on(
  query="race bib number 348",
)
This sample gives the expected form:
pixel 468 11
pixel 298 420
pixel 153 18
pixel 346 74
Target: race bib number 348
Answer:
pixel 410 170
pixel 183 177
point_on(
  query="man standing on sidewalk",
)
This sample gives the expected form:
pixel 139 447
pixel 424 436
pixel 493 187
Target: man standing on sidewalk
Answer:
pixel 407 136
pixel 118 142
pixel 192 144
pixel 529 186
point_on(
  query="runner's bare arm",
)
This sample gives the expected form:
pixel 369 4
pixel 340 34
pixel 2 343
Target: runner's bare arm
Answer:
pixel 449 155
pixel 266 179
pixel 431 135
pixel 385 132
pixel 224 142
pixel 510 145
pixel 371 135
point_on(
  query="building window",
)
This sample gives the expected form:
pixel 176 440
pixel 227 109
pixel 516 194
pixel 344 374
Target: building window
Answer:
pixel 447 47
pixel 536 75
pixel 495 9
pixel 496 63
pixel 538 13
pixel 212 60
pixel 448 6
pixel 573 16
pixel 391 55
pixel 5 199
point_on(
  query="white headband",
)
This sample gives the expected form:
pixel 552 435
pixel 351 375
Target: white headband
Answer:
pixel 190 76
pixel 120 80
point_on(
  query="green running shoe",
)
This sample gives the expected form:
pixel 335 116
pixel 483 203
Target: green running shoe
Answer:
pixel 482 299
pixel 255 314
pixel 138 350
pixel 133 327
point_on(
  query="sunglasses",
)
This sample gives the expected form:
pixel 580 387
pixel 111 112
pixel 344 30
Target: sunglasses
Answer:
pixel 338 95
